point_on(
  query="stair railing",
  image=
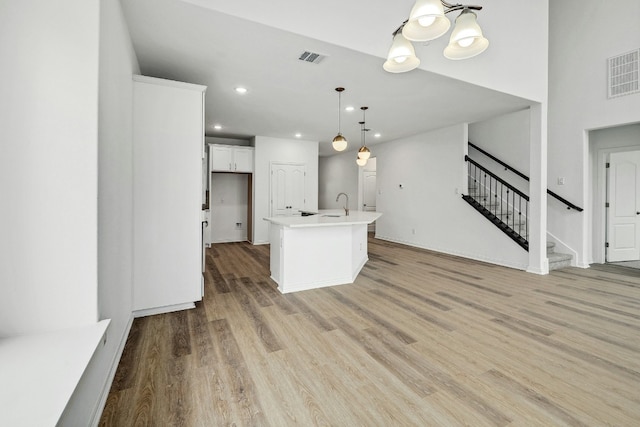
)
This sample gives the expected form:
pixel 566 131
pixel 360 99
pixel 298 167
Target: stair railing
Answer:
pixel 523 176
pixel 500 202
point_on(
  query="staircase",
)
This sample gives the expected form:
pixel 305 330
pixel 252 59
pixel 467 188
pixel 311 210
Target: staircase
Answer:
pixel 507 208
pixel 498 201
pixel 557 260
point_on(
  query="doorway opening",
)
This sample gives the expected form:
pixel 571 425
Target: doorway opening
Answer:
pixel 615 154
pixel 368 189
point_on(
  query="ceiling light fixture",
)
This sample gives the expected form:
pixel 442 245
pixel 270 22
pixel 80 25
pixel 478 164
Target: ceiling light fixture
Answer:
pixel 339 142
pixel 427 21
pixel 363 152
pixel 349 108
pixel 241 90
pixel 217 127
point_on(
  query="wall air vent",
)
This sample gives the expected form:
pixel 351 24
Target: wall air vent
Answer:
pixel 315 58
pixel 623 74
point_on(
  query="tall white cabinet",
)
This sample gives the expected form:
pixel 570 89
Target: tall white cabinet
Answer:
pixel 168 140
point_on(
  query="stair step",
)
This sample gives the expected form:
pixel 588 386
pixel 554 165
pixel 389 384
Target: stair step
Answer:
pixel 551 246
pixel 558 260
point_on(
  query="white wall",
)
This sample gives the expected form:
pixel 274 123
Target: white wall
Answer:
pixel 517 31
pixel 48 166
pixel 338 174
pixel 226 141
pixel 228 204
pixel 507 138
pixel 117 64
pixel 432 172
pixel 268 150
pixel 578 102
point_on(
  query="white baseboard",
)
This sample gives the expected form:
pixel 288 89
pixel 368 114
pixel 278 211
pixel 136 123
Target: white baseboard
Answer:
pixel 475 257
pixel 165 309
pixel 97 413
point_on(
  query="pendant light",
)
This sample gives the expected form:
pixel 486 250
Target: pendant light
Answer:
pixel 359 160
pixel 466 40
pixel 363 152
pixel 402 56
pixel 339 142
pixel 426 21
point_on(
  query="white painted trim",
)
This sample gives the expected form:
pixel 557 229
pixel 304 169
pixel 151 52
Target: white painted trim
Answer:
pixel 106 387
pixel 599 200
pixel 162 310
pixel 566 249
pixel 170 83
pixel 344 280
pixel 475 257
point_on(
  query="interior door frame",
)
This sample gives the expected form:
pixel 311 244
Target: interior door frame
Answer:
pixel 271 164
pixel 600 198
pixel 609 209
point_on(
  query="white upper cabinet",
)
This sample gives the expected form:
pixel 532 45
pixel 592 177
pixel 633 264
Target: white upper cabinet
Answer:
pixel 221 157
pixel 230 158
pixel 243 159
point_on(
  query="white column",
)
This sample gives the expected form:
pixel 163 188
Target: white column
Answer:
pixel 538 262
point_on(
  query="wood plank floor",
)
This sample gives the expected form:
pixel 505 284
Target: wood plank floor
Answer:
pixel 421 339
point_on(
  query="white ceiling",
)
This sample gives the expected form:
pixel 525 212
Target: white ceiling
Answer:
pixel 177 40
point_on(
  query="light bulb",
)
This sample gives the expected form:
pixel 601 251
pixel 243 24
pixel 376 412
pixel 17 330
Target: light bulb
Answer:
pixel 400 59
pixel 339 143
pixel 364 153
pixel 425 21
pixel 361 162
pixel 466 42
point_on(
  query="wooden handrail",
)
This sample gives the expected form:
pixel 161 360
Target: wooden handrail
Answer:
pixel 523 176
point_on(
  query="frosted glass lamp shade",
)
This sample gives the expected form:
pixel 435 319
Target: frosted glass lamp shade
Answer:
pixel 339 143
pixel 361 162
pixel 466 39
pixel 426 21
pixel 402 56
pixel 364 153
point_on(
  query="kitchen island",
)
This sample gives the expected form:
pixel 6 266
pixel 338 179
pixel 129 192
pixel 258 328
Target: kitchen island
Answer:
pixel 325 249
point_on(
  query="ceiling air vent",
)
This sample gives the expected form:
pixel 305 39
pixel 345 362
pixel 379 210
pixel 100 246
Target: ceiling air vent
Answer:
pixel 623 74
pixel 315 58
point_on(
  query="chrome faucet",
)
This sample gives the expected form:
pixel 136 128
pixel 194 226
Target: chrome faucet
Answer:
pixel 346 207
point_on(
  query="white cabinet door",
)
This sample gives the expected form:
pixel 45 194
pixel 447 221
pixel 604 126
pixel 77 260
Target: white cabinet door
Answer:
pixel 221 158
pixel 229 158
pixel 168 135
pixel 287 189
pixel 243 159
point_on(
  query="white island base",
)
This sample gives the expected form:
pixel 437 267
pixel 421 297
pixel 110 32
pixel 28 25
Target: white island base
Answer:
pixel 320 250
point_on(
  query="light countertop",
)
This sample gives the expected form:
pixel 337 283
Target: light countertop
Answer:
pixel 39 373
pixel 326 218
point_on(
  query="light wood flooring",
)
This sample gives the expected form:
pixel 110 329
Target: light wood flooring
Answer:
pixel 421 339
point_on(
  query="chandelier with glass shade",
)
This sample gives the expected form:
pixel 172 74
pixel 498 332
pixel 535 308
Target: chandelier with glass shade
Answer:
pixel 427 21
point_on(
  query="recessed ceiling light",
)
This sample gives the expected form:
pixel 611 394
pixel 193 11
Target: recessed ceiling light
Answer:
pixel 298 135
pixel 241 90
pixel 377 135
pixel 217 127
pixel 349 108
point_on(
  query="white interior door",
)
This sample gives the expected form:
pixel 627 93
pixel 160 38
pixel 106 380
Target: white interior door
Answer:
pixel 287 188
pixel 623 215
pixel 369 195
